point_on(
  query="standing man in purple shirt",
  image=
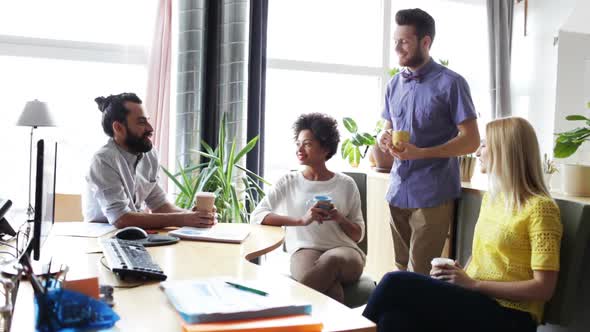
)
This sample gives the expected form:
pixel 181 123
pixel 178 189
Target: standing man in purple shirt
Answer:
pixel 434 105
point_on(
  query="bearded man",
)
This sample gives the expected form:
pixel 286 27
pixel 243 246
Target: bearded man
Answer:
pixel 122 184
pixel 434 105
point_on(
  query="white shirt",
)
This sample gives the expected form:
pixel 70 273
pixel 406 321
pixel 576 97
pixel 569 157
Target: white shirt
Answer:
pixel 292 196
pixel 120 182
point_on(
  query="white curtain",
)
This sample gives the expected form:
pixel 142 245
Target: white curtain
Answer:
pixel 158 89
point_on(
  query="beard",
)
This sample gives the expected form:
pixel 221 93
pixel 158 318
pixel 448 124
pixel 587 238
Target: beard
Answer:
pixel 138 144
pixel 417 59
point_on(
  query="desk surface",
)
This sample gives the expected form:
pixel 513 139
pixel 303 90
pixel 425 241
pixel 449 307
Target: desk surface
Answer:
pixel 145 308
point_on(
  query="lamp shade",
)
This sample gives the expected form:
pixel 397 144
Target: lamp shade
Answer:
pixel 36 114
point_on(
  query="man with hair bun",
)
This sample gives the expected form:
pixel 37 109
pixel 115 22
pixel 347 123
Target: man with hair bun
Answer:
pixel 122 183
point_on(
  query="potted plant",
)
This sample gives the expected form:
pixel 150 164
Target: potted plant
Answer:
pixel 467 167
pixel 351 147
pixel 549 169
pixel 236 187
pixel 575 177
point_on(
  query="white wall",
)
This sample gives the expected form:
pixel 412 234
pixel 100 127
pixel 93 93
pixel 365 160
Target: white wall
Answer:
pixel 573 75
pixel 534 64
pixel 573 86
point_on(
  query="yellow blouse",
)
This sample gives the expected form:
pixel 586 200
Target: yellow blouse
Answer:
pixel 508 246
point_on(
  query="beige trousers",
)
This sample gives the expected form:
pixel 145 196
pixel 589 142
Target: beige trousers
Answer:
pixel 419 235
pixel 327 271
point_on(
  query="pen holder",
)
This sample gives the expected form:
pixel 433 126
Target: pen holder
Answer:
pixel 60 308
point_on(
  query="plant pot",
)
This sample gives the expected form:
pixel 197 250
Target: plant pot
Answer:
pixel 575 180
pixel 383 160
pixel 466 167
pixel 547 177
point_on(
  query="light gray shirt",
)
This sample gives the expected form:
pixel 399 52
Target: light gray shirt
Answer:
pixel 120 182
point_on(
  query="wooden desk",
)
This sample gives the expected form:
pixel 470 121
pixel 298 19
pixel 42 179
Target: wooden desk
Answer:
pixel 145 308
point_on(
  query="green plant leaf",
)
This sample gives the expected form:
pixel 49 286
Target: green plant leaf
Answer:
pixel 357 157
pixel 173 178
pixel 350 125
pixel 246 149
pixel 259 178
pixel 394 71
pixel 229 166
pixel 204 154
pixel 368 139
pixel 344 147
pixel 565 149
pixel 576 117
pixel 356 140
pixel 207 147
pixel 235 205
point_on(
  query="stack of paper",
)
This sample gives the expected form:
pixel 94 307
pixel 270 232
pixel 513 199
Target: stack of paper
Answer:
pixel 224 304
pixel 296 323
pixel 214 234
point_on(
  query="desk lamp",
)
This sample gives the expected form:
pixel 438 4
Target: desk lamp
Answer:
pixel 36 114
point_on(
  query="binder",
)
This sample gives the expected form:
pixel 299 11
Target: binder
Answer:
pixel 296 323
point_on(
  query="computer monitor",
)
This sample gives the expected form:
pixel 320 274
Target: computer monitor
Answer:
pixel 44 195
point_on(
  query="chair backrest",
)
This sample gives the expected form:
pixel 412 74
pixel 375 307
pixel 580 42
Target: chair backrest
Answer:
pixel 361 182
pixel 575 217
pixel 466 215
pixel 68 207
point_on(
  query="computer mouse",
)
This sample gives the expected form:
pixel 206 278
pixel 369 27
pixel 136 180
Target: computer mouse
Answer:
pixel 131 233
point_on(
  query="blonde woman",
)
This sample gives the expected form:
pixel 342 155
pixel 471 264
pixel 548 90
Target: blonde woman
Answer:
pixel 515 259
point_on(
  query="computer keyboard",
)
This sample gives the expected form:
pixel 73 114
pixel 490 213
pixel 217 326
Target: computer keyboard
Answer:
pixel 129 259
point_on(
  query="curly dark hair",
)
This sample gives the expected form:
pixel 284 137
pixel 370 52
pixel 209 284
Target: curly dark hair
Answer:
pixel 419 19
pixel 323 127
pixel 113 109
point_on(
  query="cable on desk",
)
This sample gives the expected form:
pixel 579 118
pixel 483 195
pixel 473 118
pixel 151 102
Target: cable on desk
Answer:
pixel 4 243
pixel 25 233
pixel 7 252
pixel 102 261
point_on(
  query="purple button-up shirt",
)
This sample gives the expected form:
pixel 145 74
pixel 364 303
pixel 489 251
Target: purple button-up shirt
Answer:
pixel 430 107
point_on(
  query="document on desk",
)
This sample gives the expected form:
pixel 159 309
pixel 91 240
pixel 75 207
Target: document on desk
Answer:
pixel 213 234
pixel 295 323
pixel 81 228
pixel 216 300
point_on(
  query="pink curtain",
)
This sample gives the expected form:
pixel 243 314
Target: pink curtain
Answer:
pixel 158 88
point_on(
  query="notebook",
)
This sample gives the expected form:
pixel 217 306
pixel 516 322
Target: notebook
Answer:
pixel 297 323
pixel 214 234
pixel 214 300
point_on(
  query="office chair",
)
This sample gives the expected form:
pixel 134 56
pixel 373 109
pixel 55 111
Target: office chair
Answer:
pixel 357 294
pixel 574 253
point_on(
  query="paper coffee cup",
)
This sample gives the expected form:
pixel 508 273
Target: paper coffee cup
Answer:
pixel 441 261
pixel 398 136
pixel 205 201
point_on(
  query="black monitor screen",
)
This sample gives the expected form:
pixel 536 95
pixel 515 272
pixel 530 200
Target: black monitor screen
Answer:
pixel 44 194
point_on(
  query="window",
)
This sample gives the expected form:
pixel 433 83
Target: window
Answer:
pixel 336 61
pixel 66 53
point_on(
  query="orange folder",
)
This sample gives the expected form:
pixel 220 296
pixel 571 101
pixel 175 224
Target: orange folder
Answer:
pixel 297 323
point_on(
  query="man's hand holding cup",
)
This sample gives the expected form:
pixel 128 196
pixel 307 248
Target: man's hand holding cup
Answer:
pixel 204 210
